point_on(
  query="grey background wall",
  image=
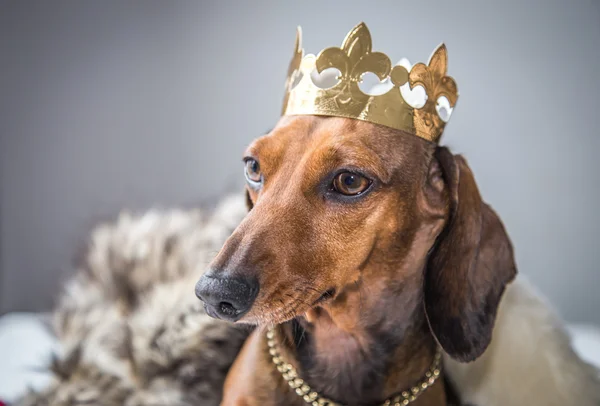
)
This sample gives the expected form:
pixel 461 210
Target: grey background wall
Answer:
pixel 106 105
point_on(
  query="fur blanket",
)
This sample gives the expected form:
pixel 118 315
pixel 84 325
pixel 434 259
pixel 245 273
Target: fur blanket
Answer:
pixel 133 332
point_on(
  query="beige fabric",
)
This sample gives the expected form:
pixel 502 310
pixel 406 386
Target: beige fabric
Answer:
pixel 530 360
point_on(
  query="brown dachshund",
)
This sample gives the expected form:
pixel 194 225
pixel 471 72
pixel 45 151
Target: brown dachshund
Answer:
pixel 367 248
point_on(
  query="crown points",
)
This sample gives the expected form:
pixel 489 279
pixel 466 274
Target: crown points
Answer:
pixel 433 77
pixel 438 60
pixel 345 99
pixel 357 43
pixel 298 53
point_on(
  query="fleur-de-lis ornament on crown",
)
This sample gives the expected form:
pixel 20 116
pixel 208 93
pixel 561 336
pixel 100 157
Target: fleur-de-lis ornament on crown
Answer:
pixel 345 99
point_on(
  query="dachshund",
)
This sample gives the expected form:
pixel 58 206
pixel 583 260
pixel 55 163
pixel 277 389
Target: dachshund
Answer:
pixel 365 249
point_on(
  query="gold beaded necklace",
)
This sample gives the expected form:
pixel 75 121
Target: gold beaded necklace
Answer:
pixel 290 375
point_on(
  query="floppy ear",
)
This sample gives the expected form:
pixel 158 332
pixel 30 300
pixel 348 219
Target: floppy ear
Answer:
pixel 468 267
pixel 249 203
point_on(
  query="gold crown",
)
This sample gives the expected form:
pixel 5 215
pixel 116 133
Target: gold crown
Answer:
pixel 345 99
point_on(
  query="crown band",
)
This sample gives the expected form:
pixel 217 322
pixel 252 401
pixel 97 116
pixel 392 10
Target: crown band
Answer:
pixel 345 99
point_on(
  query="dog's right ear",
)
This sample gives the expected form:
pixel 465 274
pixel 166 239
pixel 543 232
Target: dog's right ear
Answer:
pixel 249 203
pixel 469 266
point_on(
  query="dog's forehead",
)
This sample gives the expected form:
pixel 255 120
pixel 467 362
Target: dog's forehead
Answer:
pixel 303 133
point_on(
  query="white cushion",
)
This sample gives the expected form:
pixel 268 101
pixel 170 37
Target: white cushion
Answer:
pixel 26 346
pixel 586 342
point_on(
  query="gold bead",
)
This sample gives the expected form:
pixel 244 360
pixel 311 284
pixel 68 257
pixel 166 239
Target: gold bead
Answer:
pixel 315 403
pixel 313 395
pixel 273 351
pixel 428 374
pixel 414 390
pixel 271 343
pixel 291 371
pixel 298 382
pixel 387 403
pixel 277 360
pixel 436 372
pixel 270 334
pixel 431 381
pixel 405 402
pixel 405 394
pixel 299 391
pixel 305 388
pixel 424 385
pixel 281 368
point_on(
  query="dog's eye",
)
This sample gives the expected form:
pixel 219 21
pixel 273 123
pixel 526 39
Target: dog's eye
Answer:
pixel 350 184
pixel 253 171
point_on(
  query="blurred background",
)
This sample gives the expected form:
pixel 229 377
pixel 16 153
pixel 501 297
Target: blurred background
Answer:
pixel 111 105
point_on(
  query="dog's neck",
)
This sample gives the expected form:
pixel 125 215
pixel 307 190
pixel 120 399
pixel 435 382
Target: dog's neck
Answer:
pixel 360 348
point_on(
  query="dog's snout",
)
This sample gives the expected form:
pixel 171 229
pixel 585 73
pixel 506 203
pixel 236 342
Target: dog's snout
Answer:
pixel 228 297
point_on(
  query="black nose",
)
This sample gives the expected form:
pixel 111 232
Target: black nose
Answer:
pixel 227 298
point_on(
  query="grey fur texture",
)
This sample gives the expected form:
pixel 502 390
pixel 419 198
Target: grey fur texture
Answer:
pixel 132 331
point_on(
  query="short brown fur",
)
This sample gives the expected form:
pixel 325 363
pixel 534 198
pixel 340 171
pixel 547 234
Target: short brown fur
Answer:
pixel 363 289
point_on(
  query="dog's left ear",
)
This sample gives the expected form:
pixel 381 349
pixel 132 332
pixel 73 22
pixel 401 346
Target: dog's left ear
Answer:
pixel 468 267
pixel 249 203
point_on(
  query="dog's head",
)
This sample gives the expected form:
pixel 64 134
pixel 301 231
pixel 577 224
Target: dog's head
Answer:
pixel 341 208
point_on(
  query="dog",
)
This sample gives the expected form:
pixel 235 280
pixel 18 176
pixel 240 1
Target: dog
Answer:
pixel 367 248
pixel 131 334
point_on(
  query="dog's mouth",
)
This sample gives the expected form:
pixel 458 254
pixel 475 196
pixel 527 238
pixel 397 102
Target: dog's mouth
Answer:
pixel 288 311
